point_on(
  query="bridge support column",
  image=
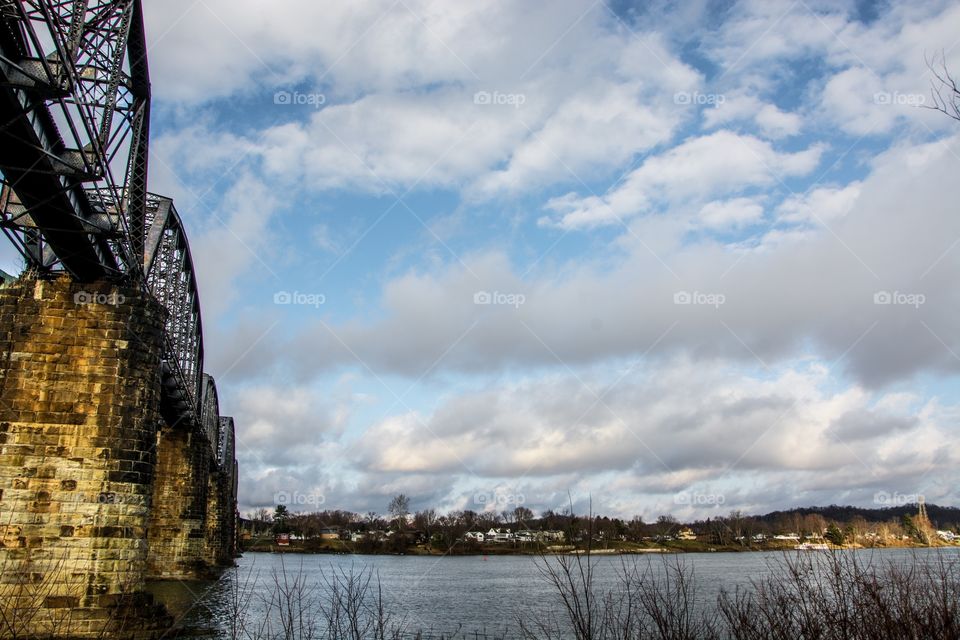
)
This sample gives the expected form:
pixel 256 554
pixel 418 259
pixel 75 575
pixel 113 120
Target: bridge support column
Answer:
pixel 79 409
pixel 178 521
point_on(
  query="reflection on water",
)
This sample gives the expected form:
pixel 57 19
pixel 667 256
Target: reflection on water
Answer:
pixel 445 595
pixel 198 607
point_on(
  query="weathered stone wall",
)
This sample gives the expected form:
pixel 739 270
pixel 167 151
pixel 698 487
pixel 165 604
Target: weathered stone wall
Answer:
pixel 178 521
pixel 79 409
pixel 216 502
pixel 222 498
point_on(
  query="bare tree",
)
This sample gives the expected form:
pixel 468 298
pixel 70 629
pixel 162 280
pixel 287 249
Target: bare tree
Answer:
pixel 944 89
pixel 522 515
pixel 399 508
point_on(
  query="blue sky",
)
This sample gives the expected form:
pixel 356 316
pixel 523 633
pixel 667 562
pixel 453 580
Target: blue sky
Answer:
pixel 682 214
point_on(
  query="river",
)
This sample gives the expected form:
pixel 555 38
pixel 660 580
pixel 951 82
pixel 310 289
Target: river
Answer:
pixel 443 595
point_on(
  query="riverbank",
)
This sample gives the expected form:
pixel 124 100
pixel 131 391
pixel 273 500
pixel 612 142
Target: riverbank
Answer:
pixel 266 545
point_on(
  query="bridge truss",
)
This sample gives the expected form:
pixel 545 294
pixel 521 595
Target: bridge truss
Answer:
pixel 74 142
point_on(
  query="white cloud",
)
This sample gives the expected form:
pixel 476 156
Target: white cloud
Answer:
pixel 399 83
pixel 652 423
pixel 775 123
pixel 772 122
pixel 821 205
pixel 735 212
pixel 816 290
pixel 700 168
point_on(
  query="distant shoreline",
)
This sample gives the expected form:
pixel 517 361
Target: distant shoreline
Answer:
pixel 343 548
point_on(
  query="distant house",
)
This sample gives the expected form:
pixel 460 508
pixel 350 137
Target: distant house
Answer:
pixel 526 536
pixel 792 537
pixel 947 536
pixel 686 534
pixel 330 533
pixel 499 535
pixel 475 536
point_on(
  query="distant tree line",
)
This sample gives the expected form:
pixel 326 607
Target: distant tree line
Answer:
pixel 399 527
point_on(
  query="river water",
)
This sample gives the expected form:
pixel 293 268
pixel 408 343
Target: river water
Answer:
pixel 445 595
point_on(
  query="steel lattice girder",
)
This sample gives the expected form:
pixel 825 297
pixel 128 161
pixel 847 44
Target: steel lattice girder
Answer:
pixel 226 449
pixel 75 103
pixel 170 277
pixel 74 115
pixel 210 416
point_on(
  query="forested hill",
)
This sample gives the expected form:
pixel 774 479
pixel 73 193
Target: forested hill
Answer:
pixel 942 516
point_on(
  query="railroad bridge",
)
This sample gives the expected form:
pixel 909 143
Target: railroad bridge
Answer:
pixel 116 466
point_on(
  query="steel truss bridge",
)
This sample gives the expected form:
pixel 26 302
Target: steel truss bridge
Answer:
pixel 74 141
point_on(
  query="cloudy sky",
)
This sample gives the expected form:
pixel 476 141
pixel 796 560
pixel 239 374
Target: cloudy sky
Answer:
pixel 677 257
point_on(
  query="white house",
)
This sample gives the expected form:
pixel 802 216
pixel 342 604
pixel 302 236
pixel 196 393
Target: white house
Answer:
pixel 499 535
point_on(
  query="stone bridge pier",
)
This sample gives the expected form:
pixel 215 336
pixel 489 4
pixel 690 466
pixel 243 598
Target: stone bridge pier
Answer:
pixel 192 526
pixel 98 491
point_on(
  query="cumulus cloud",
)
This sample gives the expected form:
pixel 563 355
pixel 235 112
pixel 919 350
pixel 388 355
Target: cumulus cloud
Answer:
pixel 556 96
pixel 717 164
pixel 821 204
pixel 734 212
pixel 819 291
pixel 648 429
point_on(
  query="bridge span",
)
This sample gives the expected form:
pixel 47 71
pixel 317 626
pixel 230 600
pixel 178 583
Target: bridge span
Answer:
pixel 116 466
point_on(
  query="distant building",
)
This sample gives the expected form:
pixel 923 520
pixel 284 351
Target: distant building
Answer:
pixel 499 535
pixel 686 534
pixel 792 537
